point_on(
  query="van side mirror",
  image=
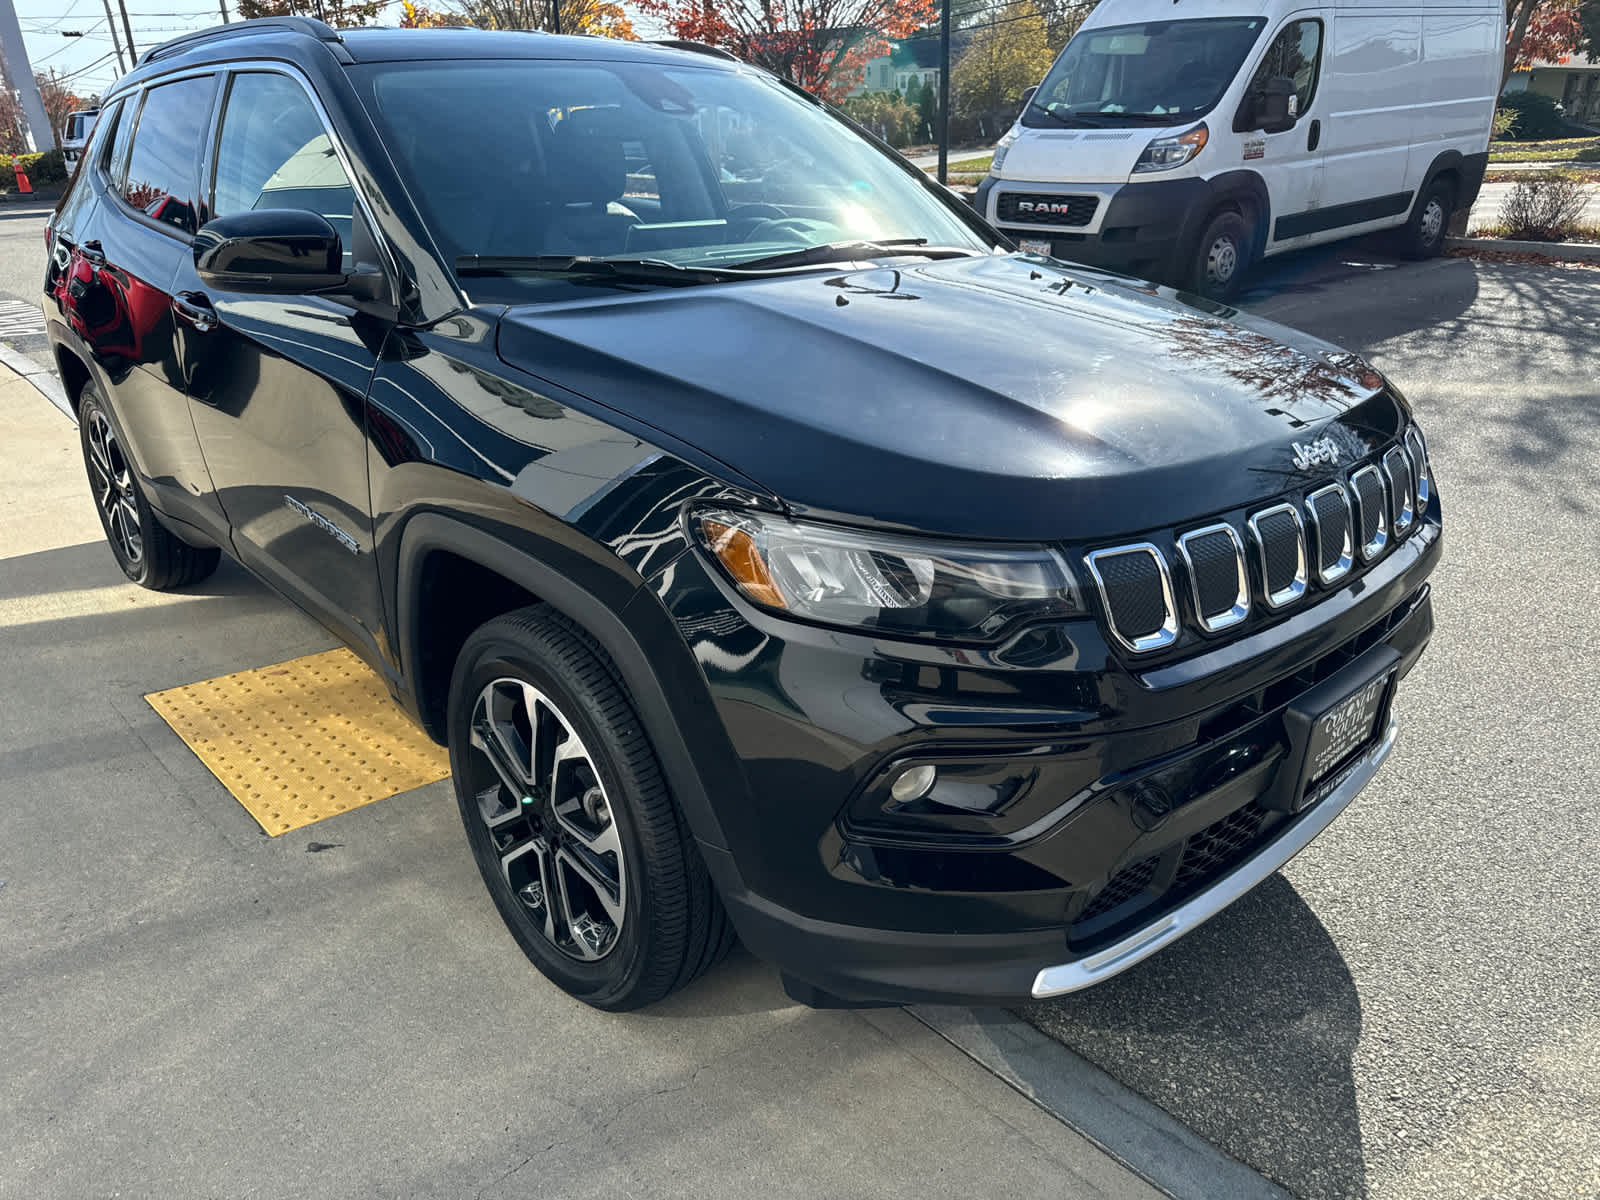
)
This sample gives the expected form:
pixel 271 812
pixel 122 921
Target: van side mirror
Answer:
pixel 280 252
pixel 1273 107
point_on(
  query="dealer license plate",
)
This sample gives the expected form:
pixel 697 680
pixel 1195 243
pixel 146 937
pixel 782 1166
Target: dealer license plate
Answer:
pixel 1034 245
pixel 1344 729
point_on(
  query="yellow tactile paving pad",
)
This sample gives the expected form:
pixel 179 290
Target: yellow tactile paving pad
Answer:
pixel 303 740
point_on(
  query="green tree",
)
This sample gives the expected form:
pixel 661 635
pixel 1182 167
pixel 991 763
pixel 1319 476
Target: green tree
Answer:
pixel 338 13
pixel 1001 62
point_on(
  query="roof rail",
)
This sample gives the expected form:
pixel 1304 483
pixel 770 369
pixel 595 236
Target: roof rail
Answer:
pixel 306 25
pixel 695 48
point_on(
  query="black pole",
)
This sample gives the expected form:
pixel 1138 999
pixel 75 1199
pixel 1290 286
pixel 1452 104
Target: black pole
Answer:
pixel 555 16
pixel 127 32
pixel 944 92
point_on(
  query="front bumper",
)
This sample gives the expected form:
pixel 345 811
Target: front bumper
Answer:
pixel 852 914
pixel 1143 229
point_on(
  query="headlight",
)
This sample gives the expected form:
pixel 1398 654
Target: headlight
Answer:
pixel 1163 154
pixel 902 586
pixel 1001 147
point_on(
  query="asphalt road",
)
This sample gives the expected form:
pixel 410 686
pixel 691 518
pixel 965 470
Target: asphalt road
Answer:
pixel 1412 1008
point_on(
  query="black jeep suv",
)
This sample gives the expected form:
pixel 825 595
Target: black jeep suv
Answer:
pixel 777 553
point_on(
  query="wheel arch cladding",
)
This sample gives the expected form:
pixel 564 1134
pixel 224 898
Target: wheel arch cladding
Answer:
pixel 1244 191
pixel 74 374
pixel 442 560
pixel 1447 164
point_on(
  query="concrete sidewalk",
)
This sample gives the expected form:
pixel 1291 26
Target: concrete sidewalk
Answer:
pixel 193 1009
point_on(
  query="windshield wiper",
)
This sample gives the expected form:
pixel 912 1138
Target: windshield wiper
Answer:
pixel 644 270
pixel 1070 120
pixel 846 251
pixel 1151 117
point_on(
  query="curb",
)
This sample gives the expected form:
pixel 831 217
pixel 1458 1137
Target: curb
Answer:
pixel 43 379
pixel 1146 1139
pixel 1583 251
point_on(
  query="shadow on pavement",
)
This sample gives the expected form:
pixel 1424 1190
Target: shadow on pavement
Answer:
pixel 92 565
pixel 1245 1032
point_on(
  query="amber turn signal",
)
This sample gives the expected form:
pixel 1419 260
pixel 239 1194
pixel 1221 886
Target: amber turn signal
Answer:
pixel 736 551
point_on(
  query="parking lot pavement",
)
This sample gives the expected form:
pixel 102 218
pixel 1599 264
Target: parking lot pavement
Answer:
pixel 191 1008
pixel 1412 1008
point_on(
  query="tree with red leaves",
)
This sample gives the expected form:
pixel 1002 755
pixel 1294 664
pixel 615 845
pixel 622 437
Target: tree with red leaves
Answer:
pixel 1548 31
pixel 822 45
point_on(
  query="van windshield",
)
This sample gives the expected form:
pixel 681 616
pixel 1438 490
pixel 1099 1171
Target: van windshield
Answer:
pixel 1156 72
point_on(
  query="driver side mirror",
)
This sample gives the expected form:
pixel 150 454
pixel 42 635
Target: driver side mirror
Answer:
pixel 280 252
pixel 1275 104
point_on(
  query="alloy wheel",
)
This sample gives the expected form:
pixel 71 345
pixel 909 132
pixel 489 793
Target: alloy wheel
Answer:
pixel 548 818
pixel 112 481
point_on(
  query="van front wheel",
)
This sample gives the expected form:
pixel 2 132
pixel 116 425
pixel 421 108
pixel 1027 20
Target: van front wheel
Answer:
pixel 1221 257
pixel 1423 236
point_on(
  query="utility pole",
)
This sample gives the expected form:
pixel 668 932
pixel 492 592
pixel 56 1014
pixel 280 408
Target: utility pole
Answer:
pixel 944 92
pixel 20 76
pixel 127 29
pixel 222 6
pixel 116 42
pixel 555 16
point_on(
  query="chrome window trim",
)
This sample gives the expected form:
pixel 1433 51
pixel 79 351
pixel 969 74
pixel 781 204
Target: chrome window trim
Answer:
pixel 1408 512
pixel 1420 477
pixel 1371 550
pixel 1168 633
pixel 1297 586
pixel 1241 603
pixel 1347 556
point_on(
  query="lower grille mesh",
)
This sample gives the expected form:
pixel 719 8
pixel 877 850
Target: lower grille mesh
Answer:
pixel 1122 887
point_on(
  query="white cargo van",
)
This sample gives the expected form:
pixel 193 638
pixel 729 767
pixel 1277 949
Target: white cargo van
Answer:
pixel 75 133
pixel 1183 139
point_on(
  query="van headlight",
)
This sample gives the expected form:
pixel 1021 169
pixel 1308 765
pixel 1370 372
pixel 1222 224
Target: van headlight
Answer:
pixel 1001 147
pixel 900 586
pixel 1163 154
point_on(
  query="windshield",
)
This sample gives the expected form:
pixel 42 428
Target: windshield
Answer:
pixel 697 167
pixel 1131 74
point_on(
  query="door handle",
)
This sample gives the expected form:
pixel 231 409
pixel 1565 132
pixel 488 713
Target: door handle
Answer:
pixel 196 310
pixel 1314 136
pixel 92 253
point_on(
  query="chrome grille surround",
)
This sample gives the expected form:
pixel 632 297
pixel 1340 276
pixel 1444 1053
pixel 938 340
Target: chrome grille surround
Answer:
pixel 1371 500
pixel 1241 603
pixel 1140 643
pixel 1297 585
pixel 1341 566
pixel 1419 467
pixel 1402 501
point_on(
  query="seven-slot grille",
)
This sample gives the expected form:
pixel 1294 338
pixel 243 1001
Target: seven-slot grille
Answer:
pixel 1283 547
pixel 1028 208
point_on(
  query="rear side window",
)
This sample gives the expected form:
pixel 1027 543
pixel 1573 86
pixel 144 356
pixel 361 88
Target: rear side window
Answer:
pixel 1295 53
pixel 274 153
pixel 163 166
pixel 120 124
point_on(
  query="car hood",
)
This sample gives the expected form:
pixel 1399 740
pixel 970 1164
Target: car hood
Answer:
pixel 993 397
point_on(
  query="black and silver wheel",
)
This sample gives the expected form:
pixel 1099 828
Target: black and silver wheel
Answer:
pixel 1221 257
pixel 574 832
pixel 148 552
pixel 1423 235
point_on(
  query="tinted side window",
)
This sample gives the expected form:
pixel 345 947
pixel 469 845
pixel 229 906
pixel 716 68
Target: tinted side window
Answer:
pixel 1296 53
pixel 275 153
pixel 163 167
pixel 119 126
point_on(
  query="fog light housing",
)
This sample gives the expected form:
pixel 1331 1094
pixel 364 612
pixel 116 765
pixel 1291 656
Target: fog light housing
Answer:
pixel 913 783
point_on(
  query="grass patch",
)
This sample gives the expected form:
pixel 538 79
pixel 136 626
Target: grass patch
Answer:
pixel 1559 150
pixel 965 166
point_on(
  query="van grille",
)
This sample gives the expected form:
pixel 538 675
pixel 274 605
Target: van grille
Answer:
pixel 1028 208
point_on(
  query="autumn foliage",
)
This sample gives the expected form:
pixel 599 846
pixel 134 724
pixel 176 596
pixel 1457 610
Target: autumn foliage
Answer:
pixel 820 44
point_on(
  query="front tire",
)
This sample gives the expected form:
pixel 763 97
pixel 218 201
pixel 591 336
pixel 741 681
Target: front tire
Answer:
pixel 1221 258
pixel 1423 235
pixel 588 859
pixel 148 552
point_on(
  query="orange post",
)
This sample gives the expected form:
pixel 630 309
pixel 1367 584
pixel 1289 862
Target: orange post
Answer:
pixel 23 186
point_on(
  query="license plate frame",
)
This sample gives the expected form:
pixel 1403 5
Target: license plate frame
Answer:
pixel 1334 722
pixel 1036 246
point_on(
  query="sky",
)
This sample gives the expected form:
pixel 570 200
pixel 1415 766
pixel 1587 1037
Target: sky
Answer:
pixel 88 60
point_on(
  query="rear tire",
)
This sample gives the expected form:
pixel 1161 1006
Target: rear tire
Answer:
pixel 589 860
pixel 148 552
pixel 1423 235
pixel 1221 257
